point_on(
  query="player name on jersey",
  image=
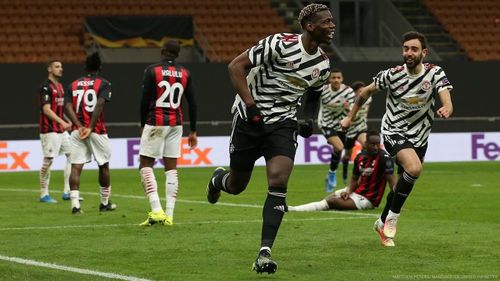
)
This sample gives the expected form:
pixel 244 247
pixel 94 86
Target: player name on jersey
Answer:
pixel 171 73
pixel 83 83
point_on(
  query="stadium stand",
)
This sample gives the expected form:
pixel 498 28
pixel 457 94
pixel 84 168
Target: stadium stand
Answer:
pixel 35 30
pixel 424 21
pixel 474 24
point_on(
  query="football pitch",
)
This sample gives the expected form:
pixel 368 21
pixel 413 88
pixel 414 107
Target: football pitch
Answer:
pixel 449 230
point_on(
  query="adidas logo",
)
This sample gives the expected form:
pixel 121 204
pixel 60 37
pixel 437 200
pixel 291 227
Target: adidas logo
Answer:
pixel 280 208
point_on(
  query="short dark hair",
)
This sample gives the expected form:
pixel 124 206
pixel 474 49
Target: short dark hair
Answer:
pixel 93 62
pixel 332 70
pixel 172 47
pixel 308 12
pixel 50 62
pixel 415 35
pixel 356 85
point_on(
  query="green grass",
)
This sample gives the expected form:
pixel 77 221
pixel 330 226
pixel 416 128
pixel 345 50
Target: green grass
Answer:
pixel 449 229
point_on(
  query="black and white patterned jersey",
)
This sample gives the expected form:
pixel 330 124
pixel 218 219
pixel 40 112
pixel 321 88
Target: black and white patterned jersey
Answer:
pixel 411 100
pixel 282 73
pixel 359 124
pixel 332 108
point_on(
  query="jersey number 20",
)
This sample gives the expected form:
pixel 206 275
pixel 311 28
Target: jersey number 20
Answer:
pixel 171 96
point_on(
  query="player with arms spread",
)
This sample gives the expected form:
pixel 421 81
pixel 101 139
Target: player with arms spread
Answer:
pixel 283 67
pixel 411 93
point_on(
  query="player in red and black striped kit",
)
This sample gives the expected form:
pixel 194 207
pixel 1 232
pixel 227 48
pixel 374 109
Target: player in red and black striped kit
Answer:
pixel 373 168
pixel 53 126
pixel 85 101
pixel 164 86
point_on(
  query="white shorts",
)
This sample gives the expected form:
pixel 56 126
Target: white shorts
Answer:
pixel 96 145
pixel 359 200
pixel 55 144
pixel 161 141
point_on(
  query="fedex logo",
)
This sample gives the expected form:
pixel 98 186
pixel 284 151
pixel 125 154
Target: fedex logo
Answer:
pixel 10 160
pixel 189 157
pixel 490 150
pixel 322 152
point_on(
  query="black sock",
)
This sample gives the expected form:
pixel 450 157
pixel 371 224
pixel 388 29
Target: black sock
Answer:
pixel 345 165
pixel 220 181
pixel 334 163
pixel 272 214
pixel 387 207
pixel 403 189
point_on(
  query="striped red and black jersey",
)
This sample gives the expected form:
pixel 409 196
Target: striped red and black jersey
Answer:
pixel 372 171
pixel 164 85
pixel 53 94
pixel 83 94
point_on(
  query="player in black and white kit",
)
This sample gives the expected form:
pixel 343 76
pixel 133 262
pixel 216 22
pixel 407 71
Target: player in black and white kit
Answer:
pixel 357 130
pixel 283 67
pixel 336 99
pixel 411 92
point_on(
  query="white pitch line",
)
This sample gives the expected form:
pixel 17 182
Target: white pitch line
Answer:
pixel 180 223
pixel 354 213
pixel 71 269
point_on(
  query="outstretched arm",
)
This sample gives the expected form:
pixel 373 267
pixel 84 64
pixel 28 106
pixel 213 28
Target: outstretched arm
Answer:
pixel 364 94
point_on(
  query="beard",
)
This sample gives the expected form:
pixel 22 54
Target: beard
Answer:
pixel 415 61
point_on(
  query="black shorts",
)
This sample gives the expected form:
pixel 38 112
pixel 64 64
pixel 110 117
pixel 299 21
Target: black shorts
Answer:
pixel 247 144
pixel 394 143
pixel 349 143
pixel 328 133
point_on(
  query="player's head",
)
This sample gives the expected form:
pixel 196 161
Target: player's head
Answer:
pixel 55 69
pixel 414 48
pixel 170 50
pixel 317 20
pixel 357 86
pixel 372 144
pixel 336 78
pixel 93 62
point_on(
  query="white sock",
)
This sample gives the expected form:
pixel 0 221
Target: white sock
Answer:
pixel 45 177
pixel 67 173
pixel 171 187
pixel 151 188
pixel 310 207
pixel 392 214
pixel 265 248
pixel 74 195
pixel 105 192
